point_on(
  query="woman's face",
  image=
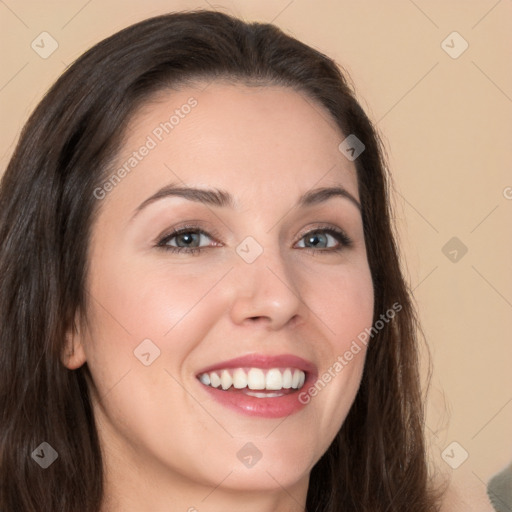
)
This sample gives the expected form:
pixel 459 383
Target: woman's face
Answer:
pixel 274 296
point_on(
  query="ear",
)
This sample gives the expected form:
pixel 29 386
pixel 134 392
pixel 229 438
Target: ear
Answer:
pixel 73 355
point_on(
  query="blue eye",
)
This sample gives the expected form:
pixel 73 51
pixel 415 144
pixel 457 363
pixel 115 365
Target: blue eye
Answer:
pixel 187 239
pixel 319 236
pixel 189 236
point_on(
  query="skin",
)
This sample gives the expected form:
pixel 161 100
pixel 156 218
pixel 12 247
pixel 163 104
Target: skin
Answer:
pixel 167 444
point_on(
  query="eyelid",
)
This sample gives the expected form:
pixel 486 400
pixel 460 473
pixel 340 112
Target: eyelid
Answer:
pixel 326 227
pixel 183 228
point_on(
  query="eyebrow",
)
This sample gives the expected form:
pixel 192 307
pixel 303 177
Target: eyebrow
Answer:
pixel 223 199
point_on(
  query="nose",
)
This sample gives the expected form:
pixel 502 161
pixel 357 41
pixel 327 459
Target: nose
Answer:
pixel 267 291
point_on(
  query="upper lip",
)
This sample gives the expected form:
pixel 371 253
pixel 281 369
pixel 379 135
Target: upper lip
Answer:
pixel 264 362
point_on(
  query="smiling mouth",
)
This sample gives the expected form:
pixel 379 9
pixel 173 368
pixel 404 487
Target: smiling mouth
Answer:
pixel 256 382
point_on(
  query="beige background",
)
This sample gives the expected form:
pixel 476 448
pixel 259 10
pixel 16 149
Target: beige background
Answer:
pixel 446 123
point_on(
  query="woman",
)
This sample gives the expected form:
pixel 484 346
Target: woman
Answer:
pixel 174 334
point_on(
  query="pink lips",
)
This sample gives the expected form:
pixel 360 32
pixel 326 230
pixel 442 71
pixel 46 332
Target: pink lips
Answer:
pixel 264 362
pixel 271 407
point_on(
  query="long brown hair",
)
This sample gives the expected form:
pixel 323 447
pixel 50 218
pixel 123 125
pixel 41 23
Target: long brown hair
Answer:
pixel 377 462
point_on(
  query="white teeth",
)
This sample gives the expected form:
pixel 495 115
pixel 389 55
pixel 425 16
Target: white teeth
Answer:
pixel 239 379
pixel 263 395
pixel 214 380
pixel 225 379
pixel 273 379
pixel 205 379
pixel 302 378
pixel 256 379
pixel 295 379
pixel 287 379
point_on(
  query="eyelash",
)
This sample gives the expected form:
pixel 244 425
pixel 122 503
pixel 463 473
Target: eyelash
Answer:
pixel 344 240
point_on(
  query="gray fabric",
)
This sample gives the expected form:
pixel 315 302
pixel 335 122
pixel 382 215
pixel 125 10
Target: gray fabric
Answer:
pixel 499 490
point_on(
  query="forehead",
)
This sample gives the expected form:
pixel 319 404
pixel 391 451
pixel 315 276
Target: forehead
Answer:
pixel 250 140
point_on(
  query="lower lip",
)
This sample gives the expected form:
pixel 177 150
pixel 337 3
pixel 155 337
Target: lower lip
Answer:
pixel 272 407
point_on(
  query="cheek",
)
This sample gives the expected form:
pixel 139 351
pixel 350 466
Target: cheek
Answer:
pixel 135 302
pixel 129 310
pixel 155 317
pixel 344 305
pixel 343 302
